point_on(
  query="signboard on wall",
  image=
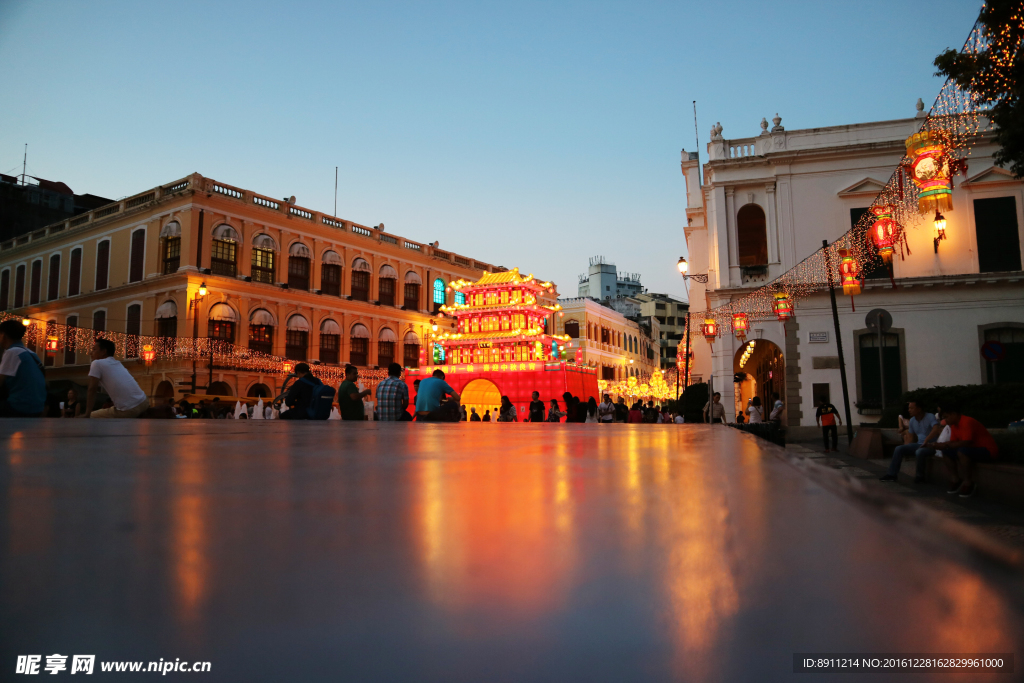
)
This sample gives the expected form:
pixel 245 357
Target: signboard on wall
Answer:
pixel 817 337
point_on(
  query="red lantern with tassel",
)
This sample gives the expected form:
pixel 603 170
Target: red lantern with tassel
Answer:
pixel 740 325
pixel 850 271
pixel 783 306
pixel 883 232
pixel 710 329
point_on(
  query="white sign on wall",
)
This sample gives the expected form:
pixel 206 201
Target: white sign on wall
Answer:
pixel 817 337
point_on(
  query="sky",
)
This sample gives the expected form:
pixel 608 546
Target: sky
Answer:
pixel 529 134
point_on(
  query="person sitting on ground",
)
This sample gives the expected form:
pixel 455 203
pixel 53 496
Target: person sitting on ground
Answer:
pixel 554 414
pixel 826 416
pixel 536 408
pixel 714 412
pixel 922 427
pixel 606 411
pixel 299 394
pixel 128 399
pixel 429 407
pixel 473 417
pixel 392 396
pixel 350 397
pixel 755 411
pixel 507 413
pixel 777 406
pixel 636 413
pixel 487 416
pixel 21 374
pixel 72 406
pixel 969 443
pixel 621 410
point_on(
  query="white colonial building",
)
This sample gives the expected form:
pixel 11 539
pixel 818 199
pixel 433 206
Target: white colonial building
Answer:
pixel 768 201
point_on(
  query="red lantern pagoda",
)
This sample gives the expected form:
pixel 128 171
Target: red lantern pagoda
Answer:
pixel 931 172
pixel 783 306
pixel 500 344
pixel 710 329
pixel 740 325
pixel 850 270
pixel 883 232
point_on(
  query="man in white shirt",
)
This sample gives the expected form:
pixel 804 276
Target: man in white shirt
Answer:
pixel 107 372
pixel 606 411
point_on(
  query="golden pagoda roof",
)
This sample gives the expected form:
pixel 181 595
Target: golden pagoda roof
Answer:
pixel 506 277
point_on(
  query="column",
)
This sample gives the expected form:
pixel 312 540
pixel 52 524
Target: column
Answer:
pixel 314 264
pixel 731 236
pixel 773 230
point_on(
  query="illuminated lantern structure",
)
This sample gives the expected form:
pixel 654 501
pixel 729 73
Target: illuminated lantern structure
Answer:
pixel 499 344
pixel 148 354
pixel 931 172
pixel 850 271
pixel 883 232
pixel 51 344
pixel 710 329
pixel 288 367
pixel 783 306
pixel 740 325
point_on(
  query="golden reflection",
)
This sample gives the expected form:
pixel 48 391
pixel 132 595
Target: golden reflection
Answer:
pixel 189 534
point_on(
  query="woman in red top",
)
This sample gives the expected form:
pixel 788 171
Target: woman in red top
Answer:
pixel 636 413
pixel 969 443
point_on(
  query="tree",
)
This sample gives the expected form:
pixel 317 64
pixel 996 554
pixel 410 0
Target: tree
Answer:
pixel 993 74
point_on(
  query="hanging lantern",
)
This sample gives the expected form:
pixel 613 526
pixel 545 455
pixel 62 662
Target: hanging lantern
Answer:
pixel 710 329
pixel 288 367
pixel 740 325
pixel 148 354
pixel 51 344
pixel 783 306
pixel 883 231
pixel 931 172
pixel 850 270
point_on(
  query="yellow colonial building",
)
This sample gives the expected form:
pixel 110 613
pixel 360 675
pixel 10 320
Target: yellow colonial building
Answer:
pixel 278 279
pixel 618 346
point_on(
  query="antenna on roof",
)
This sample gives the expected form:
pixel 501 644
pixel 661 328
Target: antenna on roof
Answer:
pixel 24 162
pixel 335 191
pixel 696 136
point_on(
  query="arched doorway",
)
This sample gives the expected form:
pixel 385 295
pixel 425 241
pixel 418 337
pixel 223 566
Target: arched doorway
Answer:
pixel 219 389
pixel 164 391
pixel 481 394
pixel 258 391
pixel 759 369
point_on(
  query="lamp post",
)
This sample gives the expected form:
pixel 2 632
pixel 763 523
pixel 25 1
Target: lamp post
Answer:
pixel 194 305
pixel 684 270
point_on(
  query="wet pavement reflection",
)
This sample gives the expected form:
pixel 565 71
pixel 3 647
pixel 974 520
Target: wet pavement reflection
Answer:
pixel 331 551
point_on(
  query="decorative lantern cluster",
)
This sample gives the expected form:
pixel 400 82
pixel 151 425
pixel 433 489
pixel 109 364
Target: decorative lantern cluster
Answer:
pixel 747 352
pixel 51 344
pixel 931 172
pixel 288 366
pixel 883 232
pixel 148 354
pixel 710 329
pixel 850 271
pixel 783 306
pixel 740 325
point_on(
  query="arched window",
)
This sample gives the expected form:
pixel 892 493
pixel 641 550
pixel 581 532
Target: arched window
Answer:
pixel 75 272
pixel 261 268
pixel 219 389
pixel 330 274
pixel 411 351
pixel 19 286
pixel 167 319
pixel 258 391
pixel 360 280
pixel 572 328
pixel 298 267
pixel 386 347
pixel 261 331
pixel 102 264
pixel 752 236
pixel 438 294
pixel 412 291
pixel 359 344
pixel 330 342
pixel 223 251
pixel 296 337
pixel 386 285
pixel 460 298
pixel 171 247
pixel 222 322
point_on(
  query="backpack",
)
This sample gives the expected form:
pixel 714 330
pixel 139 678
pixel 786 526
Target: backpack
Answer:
pixel 320 401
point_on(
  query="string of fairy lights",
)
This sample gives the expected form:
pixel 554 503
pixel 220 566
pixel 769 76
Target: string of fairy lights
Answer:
pixel 919 188
pixel 57 338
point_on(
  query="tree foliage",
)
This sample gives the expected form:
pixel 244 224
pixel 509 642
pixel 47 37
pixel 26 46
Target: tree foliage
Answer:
pixel 994 76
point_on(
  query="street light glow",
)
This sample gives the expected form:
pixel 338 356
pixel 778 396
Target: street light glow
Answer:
pixel 682 265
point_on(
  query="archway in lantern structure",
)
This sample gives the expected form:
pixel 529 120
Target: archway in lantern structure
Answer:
pixel 258 391
pixel 482 394
pixel 759 369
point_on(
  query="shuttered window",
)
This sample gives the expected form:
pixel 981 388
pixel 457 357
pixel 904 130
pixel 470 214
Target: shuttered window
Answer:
pixel 5 290
pixel 75 273
pixel 37 282
pixel 138 256
pixel 53 287
pixel 99 321
pixel 19 287
pixel 102 264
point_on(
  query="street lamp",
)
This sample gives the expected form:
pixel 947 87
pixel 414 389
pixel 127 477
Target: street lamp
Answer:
pixel 684 270
pixel 194 305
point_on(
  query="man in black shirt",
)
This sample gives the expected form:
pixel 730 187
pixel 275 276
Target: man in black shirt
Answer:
pixel 621 410
pixel 300 393
pixel 536 408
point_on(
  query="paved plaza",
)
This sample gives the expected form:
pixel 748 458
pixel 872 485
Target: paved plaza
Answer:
pixel 472 552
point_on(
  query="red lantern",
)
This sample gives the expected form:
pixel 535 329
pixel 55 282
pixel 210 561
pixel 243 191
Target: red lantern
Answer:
pixel 850 270
pixel 783 306
pixel 710 329
pixel 51 345
pixel 148 354
pixel 931 171
pixel 740 325
pixel 288 367
pixel 883 231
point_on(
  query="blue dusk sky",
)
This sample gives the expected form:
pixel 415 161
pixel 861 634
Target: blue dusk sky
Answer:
pixel 530 134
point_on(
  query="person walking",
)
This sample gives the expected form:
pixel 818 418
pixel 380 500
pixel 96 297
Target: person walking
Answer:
pixel 827 416
pixel 129 400
pixel 606 411
pixel 21 374
pixel 636 413
pixel 536 408
pixel 591 410
pixel 554 414
pixel 714 412
pixel 508 411
pixel 392 396
pixel 350 397
pixel 621 410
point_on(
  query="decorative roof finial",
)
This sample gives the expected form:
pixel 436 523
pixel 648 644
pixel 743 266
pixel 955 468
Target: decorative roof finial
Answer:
pixel 920 109
pixel 764 126
pixel 777 120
